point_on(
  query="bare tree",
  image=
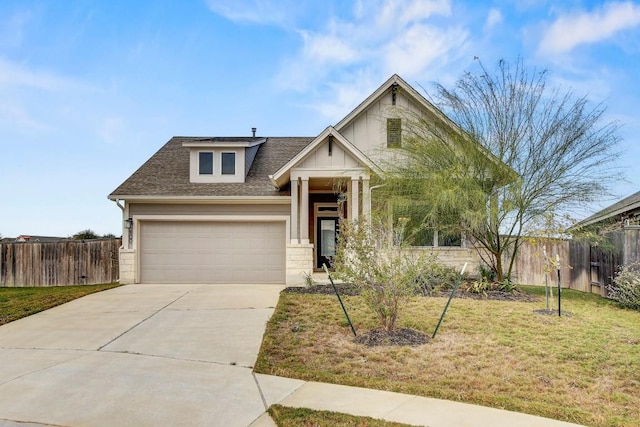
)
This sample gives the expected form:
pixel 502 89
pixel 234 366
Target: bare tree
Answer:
pixel 524 150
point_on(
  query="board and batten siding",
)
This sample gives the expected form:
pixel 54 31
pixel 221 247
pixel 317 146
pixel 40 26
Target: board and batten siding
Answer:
pixel 368 131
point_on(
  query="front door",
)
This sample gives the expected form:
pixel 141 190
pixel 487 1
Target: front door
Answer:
pixel 327 238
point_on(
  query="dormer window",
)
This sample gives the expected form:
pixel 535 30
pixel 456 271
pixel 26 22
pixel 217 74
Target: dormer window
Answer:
pixel 221 160
pixel 228 166
pixel 205 163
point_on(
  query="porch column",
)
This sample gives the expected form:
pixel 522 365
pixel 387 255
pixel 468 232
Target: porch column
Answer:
pixel 366 200
pixel 294 210
pixel 304 212
pixel 353 206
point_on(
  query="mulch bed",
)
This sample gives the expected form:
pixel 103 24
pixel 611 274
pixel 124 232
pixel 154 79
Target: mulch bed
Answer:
pixel 400 337
pixel 352 290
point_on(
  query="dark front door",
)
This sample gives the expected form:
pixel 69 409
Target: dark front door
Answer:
pixel 327 238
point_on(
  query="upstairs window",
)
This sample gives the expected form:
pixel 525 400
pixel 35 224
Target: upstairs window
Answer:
pixel 228 163
pixel 394 133
pixel 205 163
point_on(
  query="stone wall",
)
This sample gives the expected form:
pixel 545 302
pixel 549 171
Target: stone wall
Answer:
pixel 127 266
pixel 299 262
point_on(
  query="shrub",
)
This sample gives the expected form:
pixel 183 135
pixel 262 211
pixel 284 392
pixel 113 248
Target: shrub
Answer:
pixel 625 288
pixel 435 276
pixel 385 271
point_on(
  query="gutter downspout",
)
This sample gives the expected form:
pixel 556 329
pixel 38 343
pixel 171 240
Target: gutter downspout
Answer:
pixel 122 208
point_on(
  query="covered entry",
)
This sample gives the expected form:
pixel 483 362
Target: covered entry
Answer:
pixel 212 252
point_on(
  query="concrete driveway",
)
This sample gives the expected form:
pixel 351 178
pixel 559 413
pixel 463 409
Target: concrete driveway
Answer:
pixel 140 355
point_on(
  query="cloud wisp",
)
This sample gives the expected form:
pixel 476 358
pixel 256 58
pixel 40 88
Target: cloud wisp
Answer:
pixel 571 30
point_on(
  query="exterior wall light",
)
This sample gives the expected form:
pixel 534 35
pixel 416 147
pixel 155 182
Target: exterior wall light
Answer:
pixel 128 223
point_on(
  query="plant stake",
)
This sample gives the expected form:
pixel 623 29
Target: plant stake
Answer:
pixel 455 287
pixel 339 299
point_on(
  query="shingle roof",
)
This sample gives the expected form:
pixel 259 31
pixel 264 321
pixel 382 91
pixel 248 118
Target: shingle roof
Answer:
pixel 625 205
pixel 166 173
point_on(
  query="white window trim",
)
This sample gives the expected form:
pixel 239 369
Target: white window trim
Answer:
pixel 235 163
pixel 213 162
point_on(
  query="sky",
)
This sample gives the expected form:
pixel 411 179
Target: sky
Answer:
pixel 90 89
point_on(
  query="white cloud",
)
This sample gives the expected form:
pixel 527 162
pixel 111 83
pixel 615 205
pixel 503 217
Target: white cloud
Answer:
pixel 267 12
pixel 13 74
pixel 420 46
pixel 493 18
pixel 569 31
pixel 328 48
pixel 347 57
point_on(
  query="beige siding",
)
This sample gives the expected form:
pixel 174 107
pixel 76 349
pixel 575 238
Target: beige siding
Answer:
pixel 320 157
pixel 368 131
pixel 207 209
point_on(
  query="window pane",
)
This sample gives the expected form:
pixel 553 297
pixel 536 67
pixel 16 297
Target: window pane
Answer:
pixel 448 239
pixel 228 163
pixel 205 163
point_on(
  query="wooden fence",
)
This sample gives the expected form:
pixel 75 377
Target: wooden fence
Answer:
pixel 583 267
pixel 68 262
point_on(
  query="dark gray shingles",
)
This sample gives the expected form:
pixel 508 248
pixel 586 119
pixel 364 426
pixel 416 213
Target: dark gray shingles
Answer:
pixel 166 173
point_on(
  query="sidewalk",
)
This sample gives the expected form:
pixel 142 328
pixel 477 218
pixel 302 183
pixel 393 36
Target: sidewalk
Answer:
pixel 403 408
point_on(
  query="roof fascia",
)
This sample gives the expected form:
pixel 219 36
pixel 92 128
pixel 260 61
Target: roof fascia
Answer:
pixel 223 144
pixel 203 199
pixel 601 217
pixel 277 177
pixel 396 79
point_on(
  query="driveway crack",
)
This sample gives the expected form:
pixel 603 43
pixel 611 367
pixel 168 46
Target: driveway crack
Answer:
pixel 143 320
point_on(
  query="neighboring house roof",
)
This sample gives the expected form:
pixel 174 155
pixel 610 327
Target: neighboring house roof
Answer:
pixel 166 173
pixel 38 239
pixel 620 208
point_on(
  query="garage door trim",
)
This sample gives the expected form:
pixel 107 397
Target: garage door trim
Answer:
pixel 137 219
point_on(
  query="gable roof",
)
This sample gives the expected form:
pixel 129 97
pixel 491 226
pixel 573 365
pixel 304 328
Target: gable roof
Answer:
pixel 281 175
pixel 166 173
pixel 409 90
pixel 621 207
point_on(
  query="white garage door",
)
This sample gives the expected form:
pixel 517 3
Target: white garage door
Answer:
pixel 212 252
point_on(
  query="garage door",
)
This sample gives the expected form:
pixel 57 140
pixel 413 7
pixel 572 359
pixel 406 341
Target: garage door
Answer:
pixel 212 252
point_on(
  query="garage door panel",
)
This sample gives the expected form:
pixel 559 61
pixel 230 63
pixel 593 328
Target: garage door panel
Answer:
pixel 212 252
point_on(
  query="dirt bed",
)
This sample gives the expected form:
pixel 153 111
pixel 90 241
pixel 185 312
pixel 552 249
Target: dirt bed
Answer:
pixel 352 290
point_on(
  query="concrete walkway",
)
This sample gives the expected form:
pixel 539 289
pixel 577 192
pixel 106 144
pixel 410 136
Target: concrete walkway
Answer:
pixel 166 355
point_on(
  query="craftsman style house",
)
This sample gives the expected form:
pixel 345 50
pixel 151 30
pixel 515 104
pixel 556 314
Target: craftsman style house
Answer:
pixel 260 209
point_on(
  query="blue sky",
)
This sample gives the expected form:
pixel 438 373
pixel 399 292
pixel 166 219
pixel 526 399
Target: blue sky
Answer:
pixel 89 90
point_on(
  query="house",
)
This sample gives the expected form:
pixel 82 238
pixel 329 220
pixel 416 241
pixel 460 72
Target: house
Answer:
pixel 620 222
pixel 23 238
pixel 261 209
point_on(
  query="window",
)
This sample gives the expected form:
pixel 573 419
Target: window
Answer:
pixel 228 163
pixel 205 163
pixel 394 133
pixel 411 219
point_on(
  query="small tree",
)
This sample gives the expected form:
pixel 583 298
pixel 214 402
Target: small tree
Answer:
pixel 85 235
pixel 524 149
pixel 372 258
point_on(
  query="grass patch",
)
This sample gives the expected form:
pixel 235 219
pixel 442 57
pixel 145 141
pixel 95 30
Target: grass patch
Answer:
pixel 293 417
pixel 582 368
pixel 16 303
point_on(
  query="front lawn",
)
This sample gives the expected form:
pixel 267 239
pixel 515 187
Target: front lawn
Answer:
pixel 16 303
pixel 295 417
pixel 583 368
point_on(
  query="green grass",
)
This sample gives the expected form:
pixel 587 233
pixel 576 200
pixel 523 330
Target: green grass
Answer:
pixel 294 417
pixel 582 368
pixel 16 303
